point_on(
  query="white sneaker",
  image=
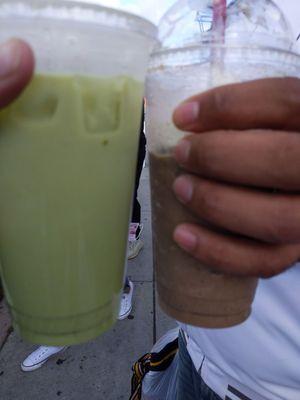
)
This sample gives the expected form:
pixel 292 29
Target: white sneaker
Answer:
pixel 135 243
pixel 39 357
pixel 126 302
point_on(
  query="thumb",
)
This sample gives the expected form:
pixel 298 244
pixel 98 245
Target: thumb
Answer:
pixel 16 69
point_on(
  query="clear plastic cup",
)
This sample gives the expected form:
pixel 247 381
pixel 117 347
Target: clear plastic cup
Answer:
pixel 68 149
pixel 191 60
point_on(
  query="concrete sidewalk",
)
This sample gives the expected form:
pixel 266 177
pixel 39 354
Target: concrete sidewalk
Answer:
pixel 99 370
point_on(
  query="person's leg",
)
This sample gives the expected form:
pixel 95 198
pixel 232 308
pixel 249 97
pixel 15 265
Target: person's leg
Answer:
pixel 136 211
pixel 186 388
pixel 135 244
pixel 126 300
pixel 127 282
pixel 190 385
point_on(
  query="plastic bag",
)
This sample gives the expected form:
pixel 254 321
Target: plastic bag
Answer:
pixel 161 385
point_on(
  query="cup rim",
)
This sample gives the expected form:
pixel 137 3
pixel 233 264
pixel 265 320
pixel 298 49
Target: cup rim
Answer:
pixel 80 12
pixel 192 47
pixel 162 56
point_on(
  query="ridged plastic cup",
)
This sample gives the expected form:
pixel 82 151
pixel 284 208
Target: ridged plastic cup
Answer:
pixel 68 149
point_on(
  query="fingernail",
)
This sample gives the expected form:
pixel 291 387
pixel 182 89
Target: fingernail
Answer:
pixel 186 114
pixel 184 189
pixel 10 58
pixel 185 238
pixel 182 151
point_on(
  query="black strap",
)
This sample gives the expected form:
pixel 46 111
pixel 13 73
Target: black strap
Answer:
pixel 151 362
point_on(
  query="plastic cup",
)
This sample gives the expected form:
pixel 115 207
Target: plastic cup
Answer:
pixel 68 149
pixel 190 61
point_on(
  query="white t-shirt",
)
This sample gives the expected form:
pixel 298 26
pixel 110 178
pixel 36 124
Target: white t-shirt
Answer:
pixel 259 359
pixel 262 354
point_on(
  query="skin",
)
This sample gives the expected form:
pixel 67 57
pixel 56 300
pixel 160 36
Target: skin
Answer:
pixel 242 164
pixel 16 69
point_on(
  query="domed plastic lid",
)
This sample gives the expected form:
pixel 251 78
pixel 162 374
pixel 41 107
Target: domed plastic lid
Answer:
pixel 248 23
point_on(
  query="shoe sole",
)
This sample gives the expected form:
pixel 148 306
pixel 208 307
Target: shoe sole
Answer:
pixel 34 367
pixel 122 317
pixel 136 253
pixel 24 368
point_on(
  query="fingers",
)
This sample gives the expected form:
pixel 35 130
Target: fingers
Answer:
pixel 16 68
pixel 233 255
pixel 268 103
pixel 260 158
pixel 249 140
pixel 268 217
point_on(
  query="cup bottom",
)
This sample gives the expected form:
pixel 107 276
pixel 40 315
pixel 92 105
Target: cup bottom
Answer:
pixel 66 331
pixel 205 320
pixel 67 339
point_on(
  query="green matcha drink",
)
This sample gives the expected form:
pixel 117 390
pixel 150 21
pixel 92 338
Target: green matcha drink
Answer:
pixel 67 167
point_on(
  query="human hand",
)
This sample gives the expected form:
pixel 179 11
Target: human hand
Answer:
pixel 243 176
pixel 16 69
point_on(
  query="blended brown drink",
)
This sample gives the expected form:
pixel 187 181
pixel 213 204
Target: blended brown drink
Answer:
pixel 188 290
pixel 203 45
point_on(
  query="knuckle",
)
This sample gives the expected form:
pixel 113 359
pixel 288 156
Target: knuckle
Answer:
pixel 208 158
pixel 277 232
pixel 282 146
pixel 215 256
pixel 219 258
pixel 284 153
pixel 290 101
pixel 275 263
pixel 220 98
pixel 207 201
pixel 199 153
pixel 266 274
pixel 267 266
pixel 197 157
pixel 291 85
pixel 283 226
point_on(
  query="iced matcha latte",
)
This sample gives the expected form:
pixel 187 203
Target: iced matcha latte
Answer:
pixel 67 165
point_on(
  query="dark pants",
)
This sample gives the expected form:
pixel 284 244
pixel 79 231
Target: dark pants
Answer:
pixel 190 385
pixel 136 211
